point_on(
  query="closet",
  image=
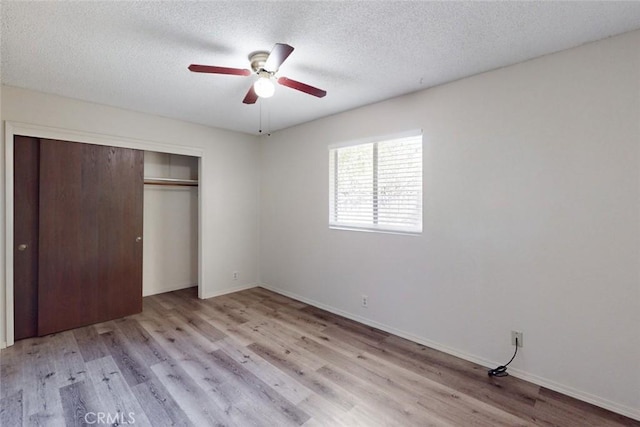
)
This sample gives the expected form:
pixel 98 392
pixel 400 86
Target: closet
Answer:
pixel 170 259
pixel 78 224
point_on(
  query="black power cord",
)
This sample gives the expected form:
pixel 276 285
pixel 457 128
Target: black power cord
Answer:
pixel 501 371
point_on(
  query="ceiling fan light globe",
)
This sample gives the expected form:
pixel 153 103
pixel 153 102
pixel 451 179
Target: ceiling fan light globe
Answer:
pixel 264 87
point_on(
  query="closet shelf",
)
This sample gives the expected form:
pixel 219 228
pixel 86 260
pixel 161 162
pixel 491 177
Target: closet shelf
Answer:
pixel 171 181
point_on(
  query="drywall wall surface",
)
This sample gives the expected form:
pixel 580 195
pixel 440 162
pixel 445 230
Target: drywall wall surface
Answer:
pixel 230 164
pixel 531 221
pixel 2 222
pixel 170 256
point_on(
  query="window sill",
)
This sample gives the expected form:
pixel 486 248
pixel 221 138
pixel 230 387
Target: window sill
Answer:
pixel 374 230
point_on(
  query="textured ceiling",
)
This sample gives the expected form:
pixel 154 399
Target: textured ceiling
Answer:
pixel 135 55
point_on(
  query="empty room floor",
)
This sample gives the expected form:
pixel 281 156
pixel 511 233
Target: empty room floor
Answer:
pixel 258 358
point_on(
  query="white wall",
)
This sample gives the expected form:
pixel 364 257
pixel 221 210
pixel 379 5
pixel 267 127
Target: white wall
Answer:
pixel 531 221
pixel 2 222
pixel 230 164
pixel 170 256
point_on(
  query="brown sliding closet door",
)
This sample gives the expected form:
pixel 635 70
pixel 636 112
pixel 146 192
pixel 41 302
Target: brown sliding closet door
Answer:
pixel 90 228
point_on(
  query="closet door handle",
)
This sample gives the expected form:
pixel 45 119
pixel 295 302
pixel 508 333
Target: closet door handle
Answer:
pixel 138 239
pixel 22 247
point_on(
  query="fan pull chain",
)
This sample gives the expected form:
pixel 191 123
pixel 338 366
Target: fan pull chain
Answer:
pixel 260 130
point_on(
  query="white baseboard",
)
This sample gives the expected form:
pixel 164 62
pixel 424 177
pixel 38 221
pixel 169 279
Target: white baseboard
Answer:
pixel 544 382
pixel 230 290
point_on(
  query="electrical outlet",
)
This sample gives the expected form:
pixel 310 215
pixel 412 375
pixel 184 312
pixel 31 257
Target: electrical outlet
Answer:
pixel 365 301
pixel 235 275
pixel 518 335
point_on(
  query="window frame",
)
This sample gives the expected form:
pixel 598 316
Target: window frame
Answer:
pixel 374 227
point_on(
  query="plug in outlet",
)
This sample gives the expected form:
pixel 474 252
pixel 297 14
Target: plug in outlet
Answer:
pixel 519 336
pixel 365 301
pixel 235 275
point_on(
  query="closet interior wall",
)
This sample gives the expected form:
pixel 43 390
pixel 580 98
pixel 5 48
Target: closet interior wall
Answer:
pixel 170 256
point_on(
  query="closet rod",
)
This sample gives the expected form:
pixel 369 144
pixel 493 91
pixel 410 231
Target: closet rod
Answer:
pixel 171 181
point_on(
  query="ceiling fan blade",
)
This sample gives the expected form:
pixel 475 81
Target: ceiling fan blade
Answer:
pixel 218 70
pixel 302 87
pixel 251 97
pixel 278 54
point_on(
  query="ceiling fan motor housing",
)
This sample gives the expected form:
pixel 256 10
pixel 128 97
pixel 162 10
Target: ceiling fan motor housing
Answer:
pixel 258 59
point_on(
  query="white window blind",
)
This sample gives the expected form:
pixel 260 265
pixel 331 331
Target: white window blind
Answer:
pixel 377 186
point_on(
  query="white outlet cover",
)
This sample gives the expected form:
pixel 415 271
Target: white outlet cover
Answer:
pixel 520 336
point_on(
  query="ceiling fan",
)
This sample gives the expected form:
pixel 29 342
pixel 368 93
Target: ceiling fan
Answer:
pixel 265 65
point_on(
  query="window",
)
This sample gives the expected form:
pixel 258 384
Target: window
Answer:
pixel 377 186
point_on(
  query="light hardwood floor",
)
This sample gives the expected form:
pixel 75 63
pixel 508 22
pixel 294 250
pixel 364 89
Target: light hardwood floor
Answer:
pixel 258 358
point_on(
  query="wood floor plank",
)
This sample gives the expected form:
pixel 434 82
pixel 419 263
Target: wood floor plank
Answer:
pixel 179 340
pixel 405 386
pixel 113 393
pixel 259 390
pixel 255 358
pixel 227 313
pixel 168 300
pixel 41 398
pixel 555 409
pixel 354 338
pixel 462 409
pixel 158 405
pixel 191 352
pixel 231 404
pixel 288 387
pixel 145 345
pixel 103 327
pixel 509 394
pixel 67 359
pixel 364 417
pixel 378 401
pixel 357 330
pixel 79 403
pixel 324 413
pixel 267 332
pixel 198 323
pixel 280 300
pixel 133 368
pixel 189 397
pixel 153 305
pixel 244 336
pixel 300 325
pixel 89 343
pixel 308 377
pixel 11 410
pixel 11 369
